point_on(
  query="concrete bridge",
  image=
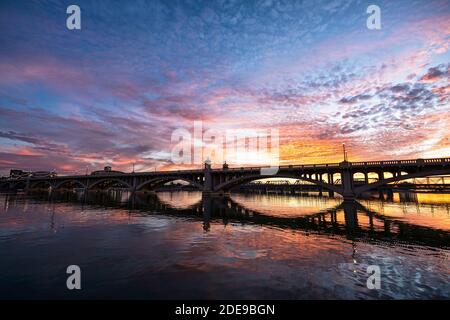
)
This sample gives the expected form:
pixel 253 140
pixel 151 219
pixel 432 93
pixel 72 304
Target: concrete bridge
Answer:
pixel 338 178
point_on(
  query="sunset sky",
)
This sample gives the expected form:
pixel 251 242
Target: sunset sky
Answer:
pixel 114 91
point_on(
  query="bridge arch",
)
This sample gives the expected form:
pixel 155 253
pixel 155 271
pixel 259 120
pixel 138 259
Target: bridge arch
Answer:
pixel 18 185
pixel 117 180
pixel 388 175
pixel 70 181
pixel 162 180
pixel 37 183
pixel 245 179
pixel 5 185
pixel 359 175
pixel 374 185
pixel 373 175
pixel 336 178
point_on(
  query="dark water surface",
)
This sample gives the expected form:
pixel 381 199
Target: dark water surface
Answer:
pixel 180 246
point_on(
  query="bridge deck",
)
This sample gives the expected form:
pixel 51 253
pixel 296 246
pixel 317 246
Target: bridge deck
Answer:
pixel 368 164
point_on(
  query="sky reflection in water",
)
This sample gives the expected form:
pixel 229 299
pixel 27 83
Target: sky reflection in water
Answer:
pixel 176 245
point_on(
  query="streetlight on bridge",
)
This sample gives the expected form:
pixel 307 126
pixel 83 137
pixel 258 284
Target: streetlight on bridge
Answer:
pixel 345 152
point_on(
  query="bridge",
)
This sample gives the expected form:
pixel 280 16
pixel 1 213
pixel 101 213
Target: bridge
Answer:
pixel 349 179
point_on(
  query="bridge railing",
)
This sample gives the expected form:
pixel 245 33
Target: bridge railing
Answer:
pixel 352 164
pixel 307 166
pixel 436 160
pixel 297 166
pixel 401 162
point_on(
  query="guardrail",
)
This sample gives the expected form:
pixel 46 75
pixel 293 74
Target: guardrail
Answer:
pixel 352 164
pixel 401 162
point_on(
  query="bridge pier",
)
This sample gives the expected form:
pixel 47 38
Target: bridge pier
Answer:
pixel 207 183
pixel 389 195
pixel 347 182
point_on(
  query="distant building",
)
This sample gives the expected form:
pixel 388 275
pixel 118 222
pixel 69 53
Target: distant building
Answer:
pixel 18 173
pixel 106 171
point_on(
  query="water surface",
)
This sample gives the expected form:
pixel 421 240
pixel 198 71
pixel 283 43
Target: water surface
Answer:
pixel 182 246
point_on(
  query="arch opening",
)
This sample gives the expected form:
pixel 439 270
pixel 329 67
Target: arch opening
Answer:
pixel 359 177
pixel 41 185
pixel 158 182
pixel 336 178
pixel 387 175
pixel 19 185
pixel 109 183
pixel 228 185
pixel 69 185
pixel 4 185
pixel 373 177
pixel 399 178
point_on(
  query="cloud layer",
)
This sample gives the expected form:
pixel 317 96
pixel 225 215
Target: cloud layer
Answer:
pixel 113 92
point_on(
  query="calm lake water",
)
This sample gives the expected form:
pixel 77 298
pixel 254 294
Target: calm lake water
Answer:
pixel 246 246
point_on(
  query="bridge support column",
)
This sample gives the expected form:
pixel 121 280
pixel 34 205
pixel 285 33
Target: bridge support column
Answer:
pixel 133 185
pixel 27 186
pixel 389 195
pixel 381 194
pixel 330 178
pixel 330 181
pixel 86 188
pixel 380 175
pixel 208 183
pixel 347 182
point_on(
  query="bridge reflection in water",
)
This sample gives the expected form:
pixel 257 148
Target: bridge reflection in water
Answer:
pixel 349 219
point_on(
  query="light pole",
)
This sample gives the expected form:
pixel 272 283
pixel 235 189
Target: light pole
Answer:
pixel 345 152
